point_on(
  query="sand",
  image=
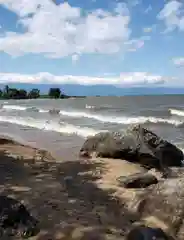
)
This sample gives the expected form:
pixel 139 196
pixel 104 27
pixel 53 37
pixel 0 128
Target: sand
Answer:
pixel 77 199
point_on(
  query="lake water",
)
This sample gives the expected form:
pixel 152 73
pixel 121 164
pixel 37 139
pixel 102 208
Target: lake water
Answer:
pixel 63 130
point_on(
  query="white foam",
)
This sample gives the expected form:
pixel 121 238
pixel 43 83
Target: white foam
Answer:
pixel 121 120
pixel 24 108
pixel 177 112
pixel 43 111
pixel 50 126
pixel 89 106
pixel 14 107
pixel 105 118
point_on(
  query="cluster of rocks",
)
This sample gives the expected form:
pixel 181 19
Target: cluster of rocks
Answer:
pixel 15 220
pixel 161 206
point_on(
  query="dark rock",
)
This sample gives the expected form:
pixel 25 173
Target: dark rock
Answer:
pixel 147 233
pixel 162 206
pixel 137 145
pixel 138 180
pixel 15 218
pixel 54 111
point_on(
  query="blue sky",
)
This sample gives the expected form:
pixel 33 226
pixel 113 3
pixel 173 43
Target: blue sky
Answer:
pixel 123 43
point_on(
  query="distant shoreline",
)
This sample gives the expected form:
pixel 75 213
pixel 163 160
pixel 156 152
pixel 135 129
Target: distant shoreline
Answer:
pixel 97 96
pixel 18 94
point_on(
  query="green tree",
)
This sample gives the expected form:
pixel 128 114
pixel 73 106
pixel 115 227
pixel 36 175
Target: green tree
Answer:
pixel 54 93
pixel 34 93
pixel 5 91
pixel 13 93
pixel 1 93
pixel 22 94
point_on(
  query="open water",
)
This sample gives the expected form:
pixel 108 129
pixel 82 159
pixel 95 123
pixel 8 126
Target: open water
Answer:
pixel 61 126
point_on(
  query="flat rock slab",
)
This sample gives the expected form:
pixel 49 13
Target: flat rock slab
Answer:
pixel 138 180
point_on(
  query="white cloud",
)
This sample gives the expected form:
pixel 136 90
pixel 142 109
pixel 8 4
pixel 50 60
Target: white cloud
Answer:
pixel 75 58
pixel 148 9
pixel 135 44
pixel 147 29
pixel 137 78
pixel 134 3
pixel 62 30
pixel 179 61
pixel 141 78
pixel 172 15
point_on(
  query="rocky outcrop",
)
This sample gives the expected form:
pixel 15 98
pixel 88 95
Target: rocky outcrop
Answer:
pixel 139 180
pixel 162 206
pixel 137 145
pixel 15 219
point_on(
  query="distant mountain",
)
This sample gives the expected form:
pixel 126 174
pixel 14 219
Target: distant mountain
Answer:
pixel 102 90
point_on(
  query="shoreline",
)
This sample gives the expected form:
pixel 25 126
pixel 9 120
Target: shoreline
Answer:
pixel 77 199
pixel 7 139
pixel 71 199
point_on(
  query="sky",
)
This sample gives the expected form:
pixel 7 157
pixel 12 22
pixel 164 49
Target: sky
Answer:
pixel 89 42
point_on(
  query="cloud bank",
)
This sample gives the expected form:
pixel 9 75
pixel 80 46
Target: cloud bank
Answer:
pixel 136 78
pixel 62 30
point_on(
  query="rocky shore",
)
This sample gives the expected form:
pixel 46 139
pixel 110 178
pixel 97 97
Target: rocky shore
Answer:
pixel 126 186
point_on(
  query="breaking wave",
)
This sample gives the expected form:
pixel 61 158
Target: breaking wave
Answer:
pixel 25 108
pixel 177 112
pixel 121 120
pixel 14 107
pixel 63 128
pixel 103 118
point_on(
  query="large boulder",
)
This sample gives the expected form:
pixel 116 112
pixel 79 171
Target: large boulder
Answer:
pixel 162 206
pixel 137 144
pixel 15 219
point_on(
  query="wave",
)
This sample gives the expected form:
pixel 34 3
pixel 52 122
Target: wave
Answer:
pixel 43 111
pixel 103 118
pixel 26 108
pixel 61 127
pixel 19 108
pixel 100 107
pixel 121 120
pixel 177 112
pixel 89 106
pixel 14 107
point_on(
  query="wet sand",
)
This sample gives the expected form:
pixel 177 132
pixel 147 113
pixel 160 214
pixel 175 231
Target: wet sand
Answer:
pixel 78 199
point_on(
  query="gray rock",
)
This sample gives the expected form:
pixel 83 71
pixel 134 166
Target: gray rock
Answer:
pixel 137 145
pixel 176 172
pixel 163 207
pixel 54 111
pixel 15 218
pixel 138 180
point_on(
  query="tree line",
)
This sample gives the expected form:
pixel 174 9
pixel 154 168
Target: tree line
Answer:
pixel 14 93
